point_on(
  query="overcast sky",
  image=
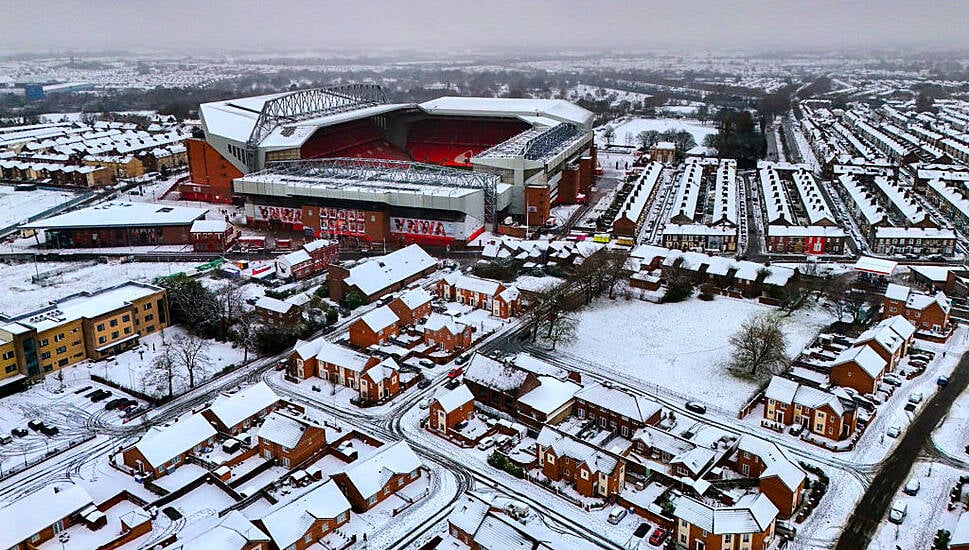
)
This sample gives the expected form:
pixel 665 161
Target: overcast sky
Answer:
pixel 455 25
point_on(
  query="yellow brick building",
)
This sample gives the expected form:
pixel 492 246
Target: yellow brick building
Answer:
pixel 86 325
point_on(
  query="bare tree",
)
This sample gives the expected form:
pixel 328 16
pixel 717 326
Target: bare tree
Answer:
pixel 759 347
pixel 563 330
pixel 835 291
pixel 164 371
pixel 247 327
pixel 608 134
pixel 230 303
pixel 188 352
pixel 616 270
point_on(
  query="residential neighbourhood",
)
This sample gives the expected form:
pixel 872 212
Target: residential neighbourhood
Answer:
pixel 536 276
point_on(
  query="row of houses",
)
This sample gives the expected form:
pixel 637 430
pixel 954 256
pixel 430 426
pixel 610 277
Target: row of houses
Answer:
pixel 638 439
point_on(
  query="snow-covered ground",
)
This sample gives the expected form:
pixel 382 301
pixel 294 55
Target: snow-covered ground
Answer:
pixel 633 126
pixel 133 369
pixel 928 510
pixel 17 206
pixel 680 348
pixel 22 295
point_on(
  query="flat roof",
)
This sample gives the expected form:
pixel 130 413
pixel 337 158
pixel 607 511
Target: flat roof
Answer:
pixel 122 214
pixel 878 266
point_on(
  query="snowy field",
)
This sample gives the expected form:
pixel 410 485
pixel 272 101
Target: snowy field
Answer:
pixel 680 347
pixel 22 295
pixel 928 510
pixel 632 127
pixel 17 206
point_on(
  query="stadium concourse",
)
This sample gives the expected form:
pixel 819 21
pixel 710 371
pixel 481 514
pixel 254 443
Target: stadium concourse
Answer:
pixel 345 163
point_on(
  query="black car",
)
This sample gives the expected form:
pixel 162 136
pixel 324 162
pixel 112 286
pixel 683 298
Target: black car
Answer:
pixel 35 425
pixel 50 431
pixel 452 383
pixel 115 404
pixel 98 398
pixel 424 383
pixel 96 395
pixel 698 408
pixel 19 432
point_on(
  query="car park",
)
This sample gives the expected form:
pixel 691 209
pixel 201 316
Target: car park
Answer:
pixel 912 487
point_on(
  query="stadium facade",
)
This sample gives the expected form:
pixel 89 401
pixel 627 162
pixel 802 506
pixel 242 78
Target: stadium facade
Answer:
pixel 344 162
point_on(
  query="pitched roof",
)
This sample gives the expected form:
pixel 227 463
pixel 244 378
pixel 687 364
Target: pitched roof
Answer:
pixel 477 284
pixel 781 389
pixel 379 273
pixel 468 514
pixel 897 292
pixel 865 357
pixel 273 304
pixel 233 409
pixel 550 395
pixel 159 446
pixel 883 336
pixel 748 515
pixel 342 357
pixel 778 464
pixel 416 297
pixel 636 407
pixel 285 429
pixel 232 533
pixel 455 398
pixel 436 321
pixel 370 475
pixel 583 453
pixel 288 523
pixel 494 374
pixel 900 325
pixel 380 318
pixel 31 514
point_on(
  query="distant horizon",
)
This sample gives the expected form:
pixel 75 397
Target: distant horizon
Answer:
pixel 454 26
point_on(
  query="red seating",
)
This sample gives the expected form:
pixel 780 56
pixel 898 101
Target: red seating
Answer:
pixel 453 141
pixel 358 139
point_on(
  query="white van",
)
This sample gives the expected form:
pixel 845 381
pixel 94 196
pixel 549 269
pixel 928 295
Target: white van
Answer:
pixel 898 511
pixel 616 515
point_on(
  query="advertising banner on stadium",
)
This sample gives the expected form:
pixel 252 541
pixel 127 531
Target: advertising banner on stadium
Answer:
pixel 278 214
pixel 416 227
pixel 342 221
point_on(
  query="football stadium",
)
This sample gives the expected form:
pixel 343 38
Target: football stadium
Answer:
pixel 344 162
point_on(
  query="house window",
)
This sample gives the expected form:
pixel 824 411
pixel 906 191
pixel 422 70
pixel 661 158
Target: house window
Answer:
pixel 342 518
pixel 61 349
pixel 59 337
pixel 45 355
pixel 372 499
pixel 581 411
pixel 308 538
pixel 149 317
pixel 746 537
pixel 113 323
pixel 728 538
pixel 550 458
pixel 100 326
pixel 115 334
pixel 42 343
pixel 126 318
pixel 8 355
pixel 11 368
pixel 147 306
pixel 585 474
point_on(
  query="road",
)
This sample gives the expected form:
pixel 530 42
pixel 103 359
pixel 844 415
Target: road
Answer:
pixel 863 523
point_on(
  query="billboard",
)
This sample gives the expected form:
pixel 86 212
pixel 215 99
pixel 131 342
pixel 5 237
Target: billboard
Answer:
pixel 426 229
pixel 278 214
pixel 343 221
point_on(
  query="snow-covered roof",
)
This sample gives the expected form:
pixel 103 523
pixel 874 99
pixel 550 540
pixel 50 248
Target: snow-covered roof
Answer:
pixel 381 272
pixel 83 305
pixel 551 395
pixel 494 374
pixel 920 301
pixel 31 514
pixel 556 109
pixel 900 325
pixel 294 258
pixel 436 321
pixel 897 292
pixel 778 464
pixel 285 429
pixel 960 536
pixel 455 398
pixel 882 335
pixel 233 409
pixel 934 273
pixel 369 475
pixel 695 460
pixel 781 389
pixel 583 453
pixel 380 318
pixel 122 214
pixel 416 297
pixel 636 407
pixel 159 446
pixel 826 231
pixel 915 233
pixel 473 284
pixel 210 226
pixel 751 514
pixel 865 357
pixel 878 266
pixel 234 532
pixel 468 514
pixel 340 356
pixel 274 304
pixel 288 523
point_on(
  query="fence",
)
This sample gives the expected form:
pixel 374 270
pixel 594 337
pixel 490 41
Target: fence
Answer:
pixel 9 470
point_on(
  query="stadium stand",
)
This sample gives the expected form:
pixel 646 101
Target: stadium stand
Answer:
pixel 452 142
pixel 359 139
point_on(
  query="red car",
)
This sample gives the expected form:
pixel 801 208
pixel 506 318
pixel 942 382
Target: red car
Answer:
pixel 658 536
pixel 455 372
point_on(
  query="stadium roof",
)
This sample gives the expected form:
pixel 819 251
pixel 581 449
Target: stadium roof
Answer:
pixel 557 109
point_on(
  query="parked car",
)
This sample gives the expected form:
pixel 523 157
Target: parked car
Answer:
pixel 486 443
pixel 898 511
pixel 50 431
pixel 426 363
pixel 915 397
pixel 785 529
pixel 892 379
pixel 912 487
pixel 101 397
pixel 5 439
pixel 452 383
pixel 698 408
pixel 424 383
pixel 426 403
pixel 616 515
pixel 462 359
pixel 894 431
pixel 796 429
pixel 115 403
pixel 19 432
pixel 455 372
pixel 659 536
pixel 942 381
pixel 35 425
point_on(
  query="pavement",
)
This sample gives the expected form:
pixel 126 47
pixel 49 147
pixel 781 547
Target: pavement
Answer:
pixel 884 488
